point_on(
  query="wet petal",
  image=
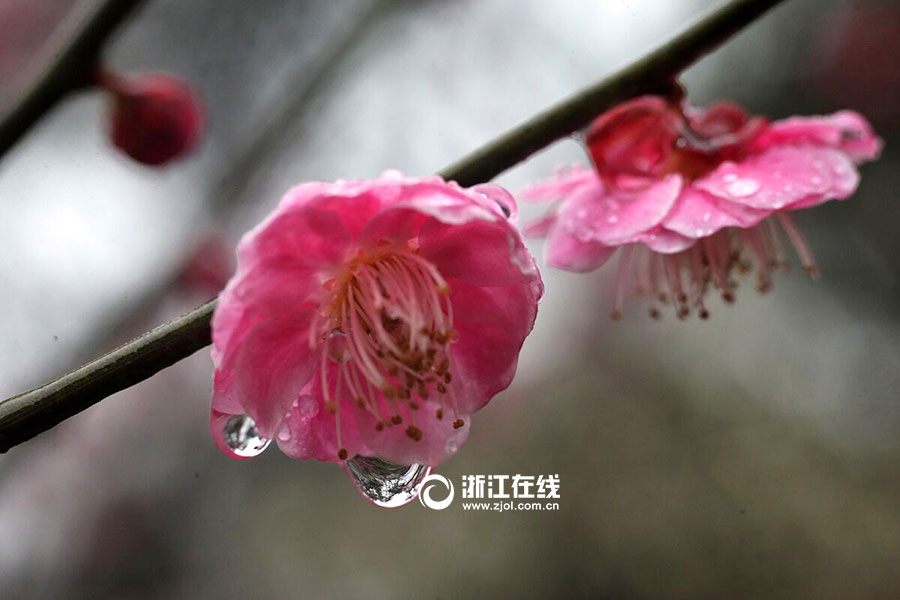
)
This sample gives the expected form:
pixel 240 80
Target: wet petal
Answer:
pixel 782 177
pixel 273 363
pixel 698 214
pixel 481 252
pixel 664 241
pixel 565 251
pixel 846 130
pixel 491 324
pixel 612 219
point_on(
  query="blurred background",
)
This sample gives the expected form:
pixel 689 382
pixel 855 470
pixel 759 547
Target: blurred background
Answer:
pixel 752 455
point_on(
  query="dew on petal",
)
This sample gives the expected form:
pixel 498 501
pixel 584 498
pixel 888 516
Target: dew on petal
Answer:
pixel 386 484
pixel 243 438
pixel 743 187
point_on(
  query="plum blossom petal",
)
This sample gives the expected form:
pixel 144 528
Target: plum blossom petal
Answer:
pixel 846 130
pixel 492 322
pixel 663 241
pixel 634 138
pixel 478 252
pixel 565 251
pixel 309 430
pixel 274 362
pixel 782 176
pixel 440 439
pixel 698 214
pixel 593 214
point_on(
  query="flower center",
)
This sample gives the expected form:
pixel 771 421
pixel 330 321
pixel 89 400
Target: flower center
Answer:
pixel 385 338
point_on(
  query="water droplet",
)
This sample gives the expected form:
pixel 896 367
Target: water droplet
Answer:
pixel 242 436
pixel 743 187
pixel 337 346
pixel 284 434
pixel 612 219
pixel 384 483
pixel 706 217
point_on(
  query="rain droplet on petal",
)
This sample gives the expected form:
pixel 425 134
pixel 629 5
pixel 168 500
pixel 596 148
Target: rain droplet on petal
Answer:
pixel 243 438
pixel 743 187
pixel 386 484
pixel 284 434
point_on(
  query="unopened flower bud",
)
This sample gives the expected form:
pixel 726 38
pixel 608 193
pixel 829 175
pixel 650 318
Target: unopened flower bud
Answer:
pixel 154 118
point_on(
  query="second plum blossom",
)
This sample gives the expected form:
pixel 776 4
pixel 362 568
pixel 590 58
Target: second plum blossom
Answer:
pixel 692 195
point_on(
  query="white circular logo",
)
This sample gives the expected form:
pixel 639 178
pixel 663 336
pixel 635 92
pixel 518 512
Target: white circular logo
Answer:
pixel 425 492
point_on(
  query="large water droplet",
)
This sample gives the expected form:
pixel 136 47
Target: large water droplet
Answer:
pixel 743 187
pixel 384 483
pixel 242 436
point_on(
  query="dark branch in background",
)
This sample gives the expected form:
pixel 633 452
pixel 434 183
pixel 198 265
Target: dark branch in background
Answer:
pixel 653 73
pixel 73 68
pixel 30 413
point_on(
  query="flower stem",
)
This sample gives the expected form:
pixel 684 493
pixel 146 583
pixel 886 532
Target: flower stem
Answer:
pixel 72 69
pixel 26 415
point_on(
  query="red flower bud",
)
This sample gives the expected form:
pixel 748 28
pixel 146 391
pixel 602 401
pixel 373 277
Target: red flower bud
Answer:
pixel 154 117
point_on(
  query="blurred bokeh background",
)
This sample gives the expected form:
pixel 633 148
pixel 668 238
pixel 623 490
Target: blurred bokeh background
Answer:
pixel 753 455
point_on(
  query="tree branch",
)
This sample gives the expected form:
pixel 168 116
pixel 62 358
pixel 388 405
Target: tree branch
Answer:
pixel 72 69
pixel 30 413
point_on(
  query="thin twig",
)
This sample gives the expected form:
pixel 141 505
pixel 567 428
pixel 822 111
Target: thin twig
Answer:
pixel 72 69
pixel 30 413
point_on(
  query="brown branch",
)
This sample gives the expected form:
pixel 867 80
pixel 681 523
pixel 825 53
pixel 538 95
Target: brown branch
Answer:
pixel 28 414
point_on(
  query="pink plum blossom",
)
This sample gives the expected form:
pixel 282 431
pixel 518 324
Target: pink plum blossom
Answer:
pixel 692 195
pixel 371 318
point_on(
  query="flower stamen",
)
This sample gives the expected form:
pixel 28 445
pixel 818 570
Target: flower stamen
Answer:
pixel 393 310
